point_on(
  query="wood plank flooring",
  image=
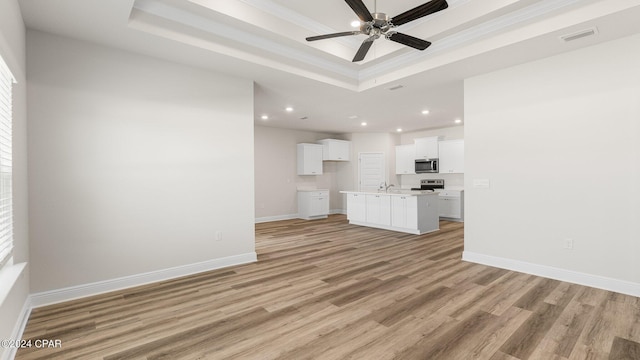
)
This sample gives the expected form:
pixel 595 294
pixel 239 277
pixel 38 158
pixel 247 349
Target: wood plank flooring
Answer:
pixel 325 289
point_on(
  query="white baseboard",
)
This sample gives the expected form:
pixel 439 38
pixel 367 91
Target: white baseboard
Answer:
pixel 80 291
pixel 18 330
pixel 293 216
pixel 276 218
pixel 596 281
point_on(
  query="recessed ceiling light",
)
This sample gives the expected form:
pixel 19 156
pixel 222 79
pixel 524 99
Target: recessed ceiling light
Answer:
pixel 353 117
pixel 289 109
pixel 264 117
pixel 355 24
pixel 425 112
pixel 363 123
pixel 458 121
pixel 399 130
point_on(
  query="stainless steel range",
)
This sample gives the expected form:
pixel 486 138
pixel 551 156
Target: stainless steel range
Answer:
pixel 430 184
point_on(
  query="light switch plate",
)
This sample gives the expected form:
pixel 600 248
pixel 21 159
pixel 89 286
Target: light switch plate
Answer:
pixel 481 183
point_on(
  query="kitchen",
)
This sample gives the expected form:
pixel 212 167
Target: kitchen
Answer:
pixel 279 180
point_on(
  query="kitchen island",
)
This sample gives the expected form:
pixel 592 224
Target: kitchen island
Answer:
pixel 414 212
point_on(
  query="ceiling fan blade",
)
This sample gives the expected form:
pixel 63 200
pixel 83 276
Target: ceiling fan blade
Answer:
pixel 409 40
pixel 360 9
pixel 364 49
pixel 420 11
pixel 328 36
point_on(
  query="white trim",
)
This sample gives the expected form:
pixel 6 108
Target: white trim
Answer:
pixel 596 281
pixel 266 45
pixel 293 216
pixel 276 218
pixel 9 274
pixel 80 291
pixel 18 330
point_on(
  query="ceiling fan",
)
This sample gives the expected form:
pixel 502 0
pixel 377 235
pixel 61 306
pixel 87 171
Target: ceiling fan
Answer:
pixel 378 24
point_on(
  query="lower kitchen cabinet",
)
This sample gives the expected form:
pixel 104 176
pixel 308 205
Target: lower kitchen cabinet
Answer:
pixel 451 205
pixel 378 209
pixel 313 204
pixel 413 214
pixel 357 207
pixel 404 212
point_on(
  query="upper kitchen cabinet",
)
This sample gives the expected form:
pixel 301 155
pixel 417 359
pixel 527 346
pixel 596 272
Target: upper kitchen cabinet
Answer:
pixel 309 159
pixel 451 157
pixel 426 148
pixel 335 150
pixel 405 159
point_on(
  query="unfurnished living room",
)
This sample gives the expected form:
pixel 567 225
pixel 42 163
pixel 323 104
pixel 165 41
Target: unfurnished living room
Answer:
pixel 344 179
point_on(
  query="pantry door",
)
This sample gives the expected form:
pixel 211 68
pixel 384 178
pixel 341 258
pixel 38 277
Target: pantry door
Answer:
pixel 371 171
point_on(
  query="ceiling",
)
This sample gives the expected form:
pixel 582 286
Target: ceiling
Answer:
pixel 264 40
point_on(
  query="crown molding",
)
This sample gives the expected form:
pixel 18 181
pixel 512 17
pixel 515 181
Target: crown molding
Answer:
pixel 218 29
pixel 465 36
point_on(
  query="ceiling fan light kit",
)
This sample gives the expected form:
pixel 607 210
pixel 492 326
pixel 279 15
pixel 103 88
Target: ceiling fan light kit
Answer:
pixel 376 25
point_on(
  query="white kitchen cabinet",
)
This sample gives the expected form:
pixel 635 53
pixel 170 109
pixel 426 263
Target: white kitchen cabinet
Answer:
pixel 426 148
pixel 378 209
pixel 415 213
pixel 356 207
pixel 335 150
pixel 313 204
pixel 451 205
pixel 309 159
pixel 405 159
pixel 404 212
pixel 451 157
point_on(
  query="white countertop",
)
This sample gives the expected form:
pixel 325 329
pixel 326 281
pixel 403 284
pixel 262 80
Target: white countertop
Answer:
pixel 310 190
pixel 400 192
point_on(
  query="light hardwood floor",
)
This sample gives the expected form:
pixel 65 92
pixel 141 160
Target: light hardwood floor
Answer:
pixel 325 289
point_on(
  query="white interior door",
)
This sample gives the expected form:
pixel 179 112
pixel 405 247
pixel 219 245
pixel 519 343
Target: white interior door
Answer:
pixel 371 172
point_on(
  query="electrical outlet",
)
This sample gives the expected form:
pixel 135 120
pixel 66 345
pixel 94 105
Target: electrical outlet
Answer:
pixel 218 236
pixel 568 243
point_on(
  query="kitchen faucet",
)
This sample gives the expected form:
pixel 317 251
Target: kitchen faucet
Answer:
pixel 386 187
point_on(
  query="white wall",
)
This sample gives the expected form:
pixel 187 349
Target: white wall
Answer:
pixel 448 133
pixel 135 163
pixel 277 181
pixel 14 291
pixel 559 140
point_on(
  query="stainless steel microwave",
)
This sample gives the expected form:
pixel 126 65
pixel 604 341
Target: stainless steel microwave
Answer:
pixel 426 166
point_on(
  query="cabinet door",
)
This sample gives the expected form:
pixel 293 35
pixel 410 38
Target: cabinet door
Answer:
pixel 398 211
pixel 405 162
pixel 319 205
pixel 426 148
pixel 378 209
pixel 404 212
pixel 356 207
pixel 411 212
pixel 452 156
pixel 337 150
pixel 449 207
pixel 309 159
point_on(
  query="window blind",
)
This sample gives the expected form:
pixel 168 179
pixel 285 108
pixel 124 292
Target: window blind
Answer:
pixel 6 193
